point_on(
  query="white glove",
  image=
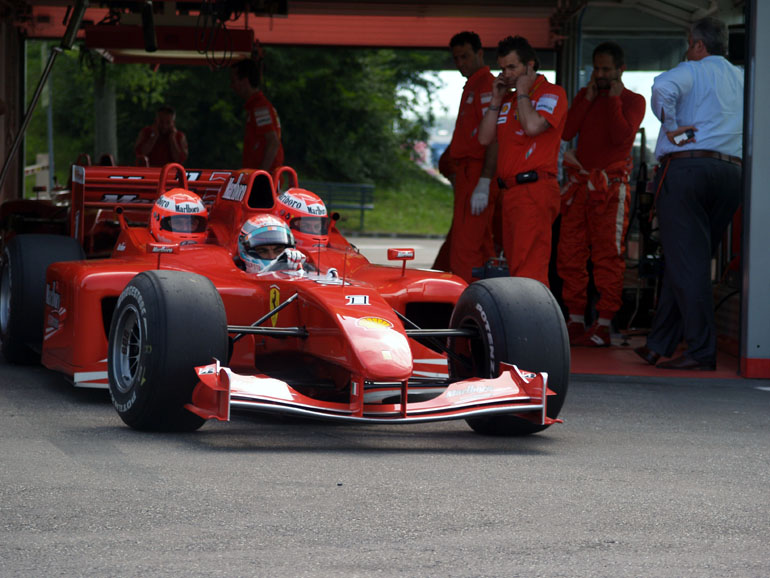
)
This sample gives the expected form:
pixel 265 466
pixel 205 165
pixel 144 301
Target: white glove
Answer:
pixel 295 259
pixel 480 196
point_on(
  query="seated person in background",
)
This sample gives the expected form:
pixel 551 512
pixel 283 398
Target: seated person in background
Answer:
pixel 162 142
pixel 263 242
pixel 179 216
pixel 306 216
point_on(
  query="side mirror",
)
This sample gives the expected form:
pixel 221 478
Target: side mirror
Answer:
pixel 402 255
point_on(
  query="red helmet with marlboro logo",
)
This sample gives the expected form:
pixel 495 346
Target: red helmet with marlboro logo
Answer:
pixel 306 215
pixel 179 216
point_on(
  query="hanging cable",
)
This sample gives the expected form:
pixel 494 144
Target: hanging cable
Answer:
pixel 211 32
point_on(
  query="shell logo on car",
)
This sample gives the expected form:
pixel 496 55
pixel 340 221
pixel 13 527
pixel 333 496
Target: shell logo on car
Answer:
pixel 373 323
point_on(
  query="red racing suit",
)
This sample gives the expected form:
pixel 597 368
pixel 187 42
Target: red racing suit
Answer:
pixel 595 198
pixel 261 120
pixel 160 154
pixel 529 209
pixel 469 243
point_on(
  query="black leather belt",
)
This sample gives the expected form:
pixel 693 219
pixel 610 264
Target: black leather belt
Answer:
pixel 701 155
pixel 520 179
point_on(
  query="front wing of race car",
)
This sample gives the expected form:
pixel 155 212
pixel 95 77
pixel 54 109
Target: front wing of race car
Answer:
pixel 514 392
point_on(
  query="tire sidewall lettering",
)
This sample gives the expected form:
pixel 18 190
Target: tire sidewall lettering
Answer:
pixel 133 293
pixel 490 340
pixel 125 406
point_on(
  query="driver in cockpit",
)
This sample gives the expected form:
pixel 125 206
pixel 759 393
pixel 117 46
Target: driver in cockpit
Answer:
pixel 264 241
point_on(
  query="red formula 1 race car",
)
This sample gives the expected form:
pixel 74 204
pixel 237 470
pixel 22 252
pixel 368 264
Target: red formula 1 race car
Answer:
pixel 181 333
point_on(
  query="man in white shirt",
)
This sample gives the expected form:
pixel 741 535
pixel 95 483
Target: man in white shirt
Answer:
pixel 698 183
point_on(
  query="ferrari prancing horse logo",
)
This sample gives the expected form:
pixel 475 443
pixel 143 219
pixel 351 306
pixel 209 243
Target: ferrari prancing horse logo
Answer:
pixel 275 300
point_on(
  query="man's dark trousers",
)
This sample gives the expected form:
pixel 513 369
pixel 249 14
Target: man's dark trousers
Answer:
pixel 696 203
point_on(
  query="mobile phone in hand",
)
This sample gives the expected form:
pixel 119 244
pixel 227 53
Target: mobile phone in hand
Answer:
pixel 686 135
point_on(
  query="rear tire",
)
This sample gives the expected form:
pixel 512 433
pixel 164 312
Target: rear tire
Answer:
pixel 165 324
pixel 519 322
pixel 22 291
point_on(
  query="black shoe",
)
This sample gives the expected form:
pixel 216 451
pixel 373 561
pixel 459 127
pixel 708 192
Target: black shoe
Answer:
pixel 684 362
pixel 647 354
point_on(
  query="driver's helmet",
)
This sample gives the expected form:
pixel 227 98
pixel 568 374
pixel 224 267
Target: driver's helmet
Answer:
pixel 306 215
pixel 262 239
pixel 179 216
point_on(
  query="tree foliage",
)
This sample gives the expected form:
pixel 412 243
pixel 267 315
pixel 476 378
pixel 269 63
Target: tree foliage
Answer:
pixel 347 114
pixel 70 96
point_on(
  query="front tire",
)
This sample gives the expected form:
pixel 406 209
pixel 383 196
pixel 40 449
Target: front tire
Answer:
pixel 165 324
pixel 26 259
pixel 518 321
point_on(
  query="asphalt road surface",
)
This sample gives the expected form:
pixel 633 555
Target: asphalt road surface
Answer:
pixel 643 478
pixel 376 249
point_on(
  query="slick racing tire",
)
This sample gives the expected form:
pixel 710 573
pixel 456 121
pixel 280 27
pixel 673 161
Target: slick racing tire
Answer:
pixel 165 324
pixel 23 268
pixel 518 321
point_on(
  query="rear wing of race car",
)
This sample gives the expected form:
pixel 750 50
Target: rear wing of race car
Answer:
pixel 135 189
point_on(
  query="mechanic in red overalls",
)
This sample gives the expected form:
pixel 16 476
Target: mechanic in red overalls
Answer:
pixel 472 166
pixel 162 142
pixel 527 125
pixel 262 148
pixel 595 199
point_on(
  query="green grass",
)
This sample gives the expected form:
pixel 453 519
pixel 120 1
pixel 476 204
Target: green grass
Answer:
pixel 418 205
